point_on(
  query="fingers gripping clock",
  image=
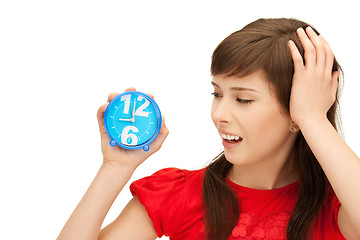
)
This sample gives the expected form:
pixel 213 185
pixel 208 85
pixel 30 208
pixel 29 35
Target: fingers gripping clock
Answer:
pixel 132 120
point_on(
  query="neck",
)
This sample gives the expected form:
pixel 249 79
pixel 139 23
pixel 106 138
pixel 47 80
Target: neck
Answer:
pixel 268 174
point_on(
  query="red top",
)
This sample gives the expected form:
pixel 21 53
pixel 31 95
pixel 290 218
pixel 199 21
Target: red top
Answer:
pixel 172 198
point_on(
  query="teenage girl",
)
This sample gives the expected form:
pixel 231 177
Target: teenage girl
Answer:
pixel 285 173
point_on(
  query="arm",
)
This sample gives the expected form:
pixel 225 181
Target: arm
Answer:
pixel 313 93
pixel 116 170
pixel 127 225
pixel 341 166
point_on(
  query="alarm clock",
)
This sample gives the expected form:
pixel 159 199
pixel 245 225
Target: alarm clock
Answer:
pixel 132 120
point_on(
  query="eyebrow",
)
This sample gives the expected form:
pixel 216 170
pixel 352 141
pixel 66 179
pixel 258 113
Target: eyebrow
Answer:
pixel 236 88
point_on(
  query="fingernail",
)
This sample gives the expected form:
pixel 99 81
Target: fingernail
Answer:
pixel 309 28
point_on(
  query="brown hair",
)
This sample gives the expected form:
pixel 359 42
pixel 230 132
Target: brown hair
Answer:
pixel 262 45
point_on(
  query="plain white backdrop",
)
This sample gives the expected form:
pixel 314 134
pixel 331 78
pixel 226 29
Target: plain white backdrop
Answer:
pixel 59 60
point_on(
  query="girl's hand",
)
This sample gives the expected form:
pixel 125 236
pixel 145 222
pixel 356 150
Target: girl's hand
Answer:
pixel 124 157
pixel 314 84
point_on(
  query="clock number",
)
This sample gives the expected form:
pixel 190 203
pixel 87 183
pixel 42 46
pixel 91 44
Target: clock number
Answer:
pixel 140 111
pixel 127 99
pixel 125 135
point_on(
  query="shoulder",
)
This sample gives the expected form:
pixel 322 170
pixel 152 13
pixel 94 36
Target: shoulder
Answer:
pixel 165 195
pixel 168 178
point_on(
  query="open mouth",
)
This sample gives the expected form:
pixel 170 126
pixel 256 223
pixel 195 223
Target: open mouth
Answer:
pixel 231 138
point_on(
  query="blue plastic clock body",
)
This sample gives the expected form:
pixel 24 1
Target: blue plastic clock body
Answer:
pixel 132 120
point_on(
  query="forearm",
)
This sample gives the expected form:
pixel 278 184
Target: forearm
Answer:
pixel 339 162
pixel 86 220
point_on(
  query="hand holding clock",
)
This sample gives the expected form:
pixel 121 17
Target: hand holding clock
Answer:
pixel 119 163
pixel 121 156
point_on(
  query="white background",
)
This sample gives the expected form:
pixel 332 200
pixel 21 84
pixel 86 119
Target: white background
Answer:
pixel 60 59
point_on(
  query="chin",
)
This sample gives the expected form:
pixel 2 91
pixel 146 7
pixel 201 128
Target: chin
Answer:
pixel 236 158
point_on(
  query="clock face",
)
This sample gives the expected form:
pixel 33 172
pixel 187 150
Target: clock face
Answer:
pixel 132 120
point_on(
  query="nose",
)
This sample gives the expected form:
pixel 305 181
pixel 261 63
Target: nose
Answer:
pixel 221 111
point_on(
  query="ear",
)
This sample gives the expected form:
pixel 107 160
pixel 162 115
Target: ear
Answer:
pixel 294 127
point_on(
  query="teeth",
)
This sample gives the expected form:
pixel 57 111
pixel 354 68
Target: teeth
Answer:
pixel 229 137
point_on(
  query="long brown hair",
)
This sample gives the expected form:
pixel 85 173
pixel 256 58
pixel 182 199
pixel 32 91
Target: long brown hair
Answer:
pixel 262 45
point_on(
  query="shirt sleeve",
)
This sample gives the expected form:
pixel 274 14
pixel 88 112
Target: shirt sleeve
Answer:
pixel 163 194
pixel 334 206
pixel 326 226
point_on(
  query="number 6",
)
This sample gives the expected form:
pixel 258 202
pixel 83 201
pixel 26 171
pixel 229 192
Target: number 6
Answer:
pixel 125 135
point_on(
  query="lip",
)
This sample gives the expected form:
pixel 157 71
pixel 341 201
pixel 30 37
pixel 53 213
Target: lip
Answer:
pixel 226 133
pixel 227 144
pixel 230 145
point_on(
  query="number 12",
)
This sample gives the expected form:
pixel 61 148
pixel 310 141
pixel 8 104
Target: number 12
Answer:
pixel 140 111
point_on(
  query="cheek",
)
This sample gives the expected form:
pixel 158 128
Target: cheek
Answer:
pixel 213 112
pixel 268 127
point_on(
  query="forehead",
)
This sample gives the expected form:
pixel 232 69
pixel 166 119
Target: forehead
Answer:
pixel 255 82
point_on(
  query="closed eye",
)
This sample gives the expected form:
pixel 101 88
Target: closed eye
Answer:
pixel 246 101
pixel 240 100
pixel 216 95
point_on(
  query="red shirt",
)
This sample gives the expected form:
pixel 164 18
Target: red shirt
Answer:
pixel 172 198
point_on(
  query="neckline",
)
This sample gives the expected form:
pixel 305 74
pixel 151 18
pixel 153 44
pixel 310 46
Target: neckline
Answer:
pixel 241 188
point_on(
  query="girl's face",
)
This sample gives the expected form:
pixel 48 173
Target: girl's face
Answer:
pixel 252 124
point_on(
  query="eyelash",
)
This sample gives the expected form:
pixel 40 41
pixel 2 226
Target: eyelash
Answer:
pixel 215 94
pixel 245 101
pixel 240 100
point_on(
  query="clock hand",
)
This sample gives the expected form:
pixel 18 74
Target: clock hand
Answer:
pixel 132 119
pixel 121 119
pixel 133 113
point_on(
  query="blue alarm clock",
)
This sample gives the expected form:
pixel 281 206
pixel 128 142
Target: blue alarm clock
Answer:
pixel 132 120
